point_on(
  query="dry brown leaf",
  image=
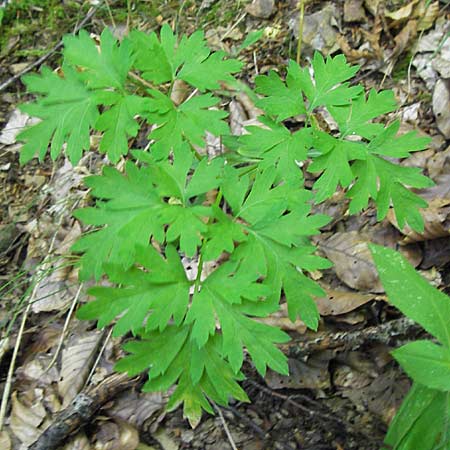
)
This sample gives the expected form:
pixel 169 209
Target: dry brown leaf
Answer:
pixel 405 12
pixel 404 38
pixel 79 442
pixel 138 407
pixel 5 440
pixel 439 163
pixel 27 420
pixel 441 109
pixel 262 9
pixel 426 15
pixel 372 6
pixel 352 260
pixel 77 358
pixel 280 319
pixel 313 374
pixel 351 53
pixel 354 11
pixel 382 396
pixel 115 435
pixel 341 302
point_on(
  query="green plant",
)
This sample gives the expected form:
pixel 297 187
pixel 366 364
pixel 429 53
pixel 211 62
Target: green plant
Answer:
pixel 245 210
pixel 423 420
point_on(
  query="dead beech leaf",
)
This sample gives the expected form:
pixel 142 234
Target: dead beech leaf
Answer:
pixel 77 358
pixel 313 374
pixel 405 12
pixel 79 442
pixel 115 434
pixel 341 302
pixel 5 440
pixel 352 260
pixel 26 420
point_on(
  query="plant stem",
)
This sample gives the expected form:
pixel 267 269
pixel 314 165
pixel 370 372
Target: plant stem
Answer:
pixel 301 16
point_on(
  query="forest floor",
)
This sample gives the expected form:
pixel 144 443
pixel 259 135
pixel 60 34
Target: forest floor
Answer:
pixel 337 397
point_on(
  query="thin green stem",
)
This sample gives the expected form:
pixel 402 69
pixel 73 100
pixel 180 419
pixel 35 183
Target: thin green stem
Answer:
pixel 301 17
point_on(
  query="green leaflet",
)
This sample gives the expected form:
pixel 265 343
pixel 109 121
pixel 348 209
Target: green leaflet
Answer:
pixel 189 121
pixel 199 374
pixel 277 247
pixel 68 111
pixel 162 288
pixel 190 60
pixel 106 67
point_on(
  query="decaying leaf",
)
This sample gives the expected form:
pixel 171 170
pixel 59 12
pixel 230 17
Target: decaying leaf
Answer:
pixel 280 319
pixel 318 30
pixel 79 442
pixel 427 15
pixel 138 407
pixel 53 292
pixel 352 260
pixel 77 358
pixel 27 420
pixel 405 12
pixel 5 440
pixel 115 435
pixel 441 110
pixel 382 396
pixel 341 302
pixel 313 374
pixel 354 11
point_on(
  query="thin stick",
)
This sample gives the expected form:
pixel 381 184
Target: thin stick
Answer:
pixel 301 17
pixel 225 427
pixel 66 325
pixel 43 58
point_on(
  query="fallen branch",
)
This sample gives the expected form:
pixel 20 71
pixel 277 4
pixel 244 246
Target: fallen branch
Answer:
pixel 82 409
pixel 386 333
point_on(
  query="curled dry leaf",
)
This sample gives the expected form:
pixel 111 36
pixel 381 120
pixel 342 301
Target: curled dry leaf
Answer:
pixel 427 15
pixel 27 419
pixel 341 302
pixel 403 13
pixel 77 359
pixel 115 435
pixel 352 260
